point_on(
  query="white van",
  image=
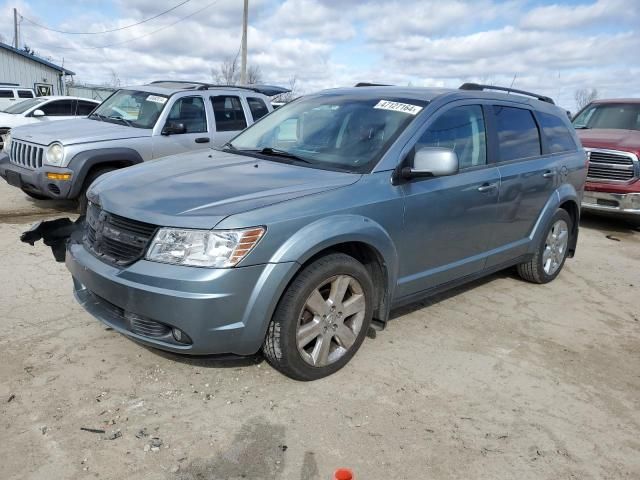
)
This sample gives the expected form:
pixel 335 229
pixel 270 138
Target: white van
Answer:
pixel 11 93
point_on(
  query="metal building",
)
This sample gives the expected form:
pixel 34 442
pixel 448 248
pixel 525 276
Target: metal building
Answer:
pixel 18 66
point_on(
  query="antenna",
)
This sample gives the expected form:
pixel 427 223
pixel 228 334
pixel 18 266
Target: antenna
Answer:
pixel 514 80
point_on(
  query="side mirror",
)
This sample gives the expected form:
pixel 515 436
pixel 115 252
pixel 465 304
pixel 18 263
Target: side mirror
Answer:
pixel 174 129
pixel 432 162
pixel 38 113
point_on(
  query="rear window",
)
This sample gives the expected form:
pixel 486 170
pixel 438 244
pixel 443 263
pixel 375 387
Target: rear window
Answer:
pixel 258 108
pixel 25 94
pixel 558 137
pixel 518 135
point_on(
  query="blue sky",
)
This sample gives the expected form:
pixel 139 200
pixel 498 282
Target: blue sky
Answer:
pixel 554 47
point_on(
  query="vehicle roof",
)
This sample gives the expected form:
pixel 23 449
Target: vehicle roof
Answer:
pixel 616 100
pixel 67 97
pixel 430 94
pixel 169 88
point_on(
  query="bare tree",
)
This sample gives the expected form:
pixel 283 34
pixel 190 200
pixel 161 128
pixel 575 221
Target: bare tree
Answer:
pixel 585 96
pixel 114 80
pixel 293 93
pixel 254 75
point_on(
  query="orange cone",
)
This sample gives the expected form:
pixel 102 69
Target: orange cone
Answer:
pixel 343 474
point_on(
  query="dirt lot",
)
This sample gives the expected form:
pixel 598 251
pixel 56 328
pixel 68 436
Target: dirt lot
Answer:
pixel 498 380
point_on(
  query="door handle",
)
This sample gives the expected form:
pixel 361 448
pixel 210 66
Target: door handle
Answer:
pixel 487 187
pixel 202 140
pixel 549 174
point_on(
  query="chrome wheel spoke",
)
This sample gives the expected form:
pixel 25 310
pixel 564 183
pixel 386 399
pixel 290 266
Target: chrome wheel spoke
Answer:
pixel 308 332
pixel 316 304
pixel 555 247
pixel 345 336
pixel 320 353
pixel 339 288
pixel 355 304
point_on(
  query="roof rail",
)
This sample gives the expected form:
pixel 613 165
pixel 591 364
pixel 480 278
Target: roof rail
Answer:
pixel 477 86
pixel 367 84
pixel 7 84
pixel 267 90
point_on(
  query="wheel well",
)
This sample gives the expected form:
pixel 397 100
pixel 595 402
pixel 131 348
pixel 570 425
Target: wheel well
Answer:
pixel 375 265
pixel 572 209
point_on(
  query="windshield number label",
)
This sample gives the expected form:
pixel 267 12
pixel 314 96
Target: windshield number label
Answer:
pixel 398 107
pixel 156 99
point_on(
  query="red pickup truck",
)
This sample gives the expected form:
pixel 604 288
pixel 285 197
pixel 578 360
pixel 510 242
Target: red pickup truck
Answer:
pixel 610 132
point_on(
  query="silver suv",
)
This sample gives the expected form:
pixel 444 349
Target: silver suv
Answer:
pixel 133 125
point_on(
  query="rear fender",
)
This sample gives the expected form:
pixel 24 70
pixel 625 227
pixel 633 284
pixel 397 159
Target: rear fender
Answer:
pixel 566 192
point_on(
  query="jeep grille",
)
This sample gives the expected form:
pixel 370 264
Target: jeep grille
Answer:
pixel 612 166
pixel 115 239
pixel 25 154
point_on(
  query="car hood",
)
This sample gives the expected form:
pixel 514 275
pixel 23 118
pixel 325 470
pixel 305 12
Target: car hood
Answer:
pixel 199 189
pixel 627 140
pixel 77 130
pixel 10 120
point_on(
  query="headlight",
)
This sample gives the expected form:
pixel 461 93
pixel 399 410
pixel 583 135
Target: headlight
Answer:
pixel 7 141
pixel 203 248
pixel 55 154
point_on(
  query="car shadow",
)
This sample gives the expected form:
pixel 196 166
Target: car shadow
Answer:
pixel 207 361
pixel 608 223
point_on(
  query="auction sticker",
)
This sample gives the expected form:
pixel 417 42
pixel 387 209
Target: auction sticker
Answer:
pixel 398 107
pixel 156 99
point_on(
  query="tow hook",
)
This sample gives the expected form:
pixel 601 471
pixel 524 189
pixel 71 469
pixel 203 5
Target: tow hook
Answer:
pixel 55 234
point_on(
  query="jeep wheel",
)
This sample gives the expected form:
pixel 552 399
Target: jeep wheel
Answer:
pixel 35 196
pixel 551 254
pixel 321 319
pixel 82 197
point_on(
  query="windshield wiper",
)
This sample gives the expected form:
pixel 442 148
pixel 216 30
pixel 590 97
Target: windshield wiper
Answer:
pixel 120 119
pixel 98 116
pixel 275 152
pixel 229 145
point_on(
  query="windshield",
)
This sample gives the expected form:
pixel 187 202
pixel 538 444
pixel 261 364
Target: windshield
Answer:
pixel 625 116
pixel 330 131
pixel 132 108
pixel 24 106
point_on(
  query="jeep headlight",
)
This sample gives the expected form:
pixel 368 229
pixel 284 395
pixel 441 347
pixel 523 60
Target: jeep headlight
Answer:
pixel 7 141
pixel 55 154
pixel 203 248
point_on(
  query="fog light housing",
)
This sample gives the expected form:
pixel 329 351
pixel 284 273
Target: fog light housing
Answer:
pixel 180 337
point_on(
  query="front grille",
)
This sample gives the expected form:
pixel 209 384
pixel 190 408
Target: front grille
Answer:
pixel 25 154
pixel 115 239
pixel 612 166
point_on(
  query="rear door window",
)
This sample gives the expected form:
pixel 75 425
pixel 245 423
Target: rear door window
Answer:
pixel 85 108
pixel 558 137
pixel 228 113
pixel 258 108
pixel 6 93
pixel 58 108
pixel 518 135
pixel 25 94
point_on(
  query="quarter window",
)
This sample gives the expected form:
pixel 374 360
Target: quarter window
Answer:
pixel 462 130
pixel 258 108
pixel 190 112
pixel 229 113
pixel 557 134
pixel 518 135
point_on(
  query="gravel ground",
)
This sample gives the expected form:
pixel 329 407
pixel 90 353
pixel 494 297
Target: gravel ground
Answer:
pixel 500 379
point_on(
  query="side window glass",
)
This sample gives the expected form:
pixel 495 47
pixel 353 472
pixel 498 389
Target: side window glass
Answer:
pixel 6 94
pixel 25 94
pixel 462 130
pixel 258 108
pixel 558 137
pixel 190 112
pixel 518 135
pixel 229 114
pixel 58 108
pixel 85 108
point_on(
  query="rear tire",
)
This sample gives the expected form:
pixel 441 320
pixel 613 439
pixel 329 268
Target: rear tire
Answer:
pixel 35 196
pixel 551 253
pixel 82 197
pixel 321 319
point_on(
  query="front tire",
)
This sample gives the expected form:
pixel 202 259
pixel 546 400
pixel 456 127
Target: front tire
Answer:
pixel 551 253
pixel 321 319
pixel 82 197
